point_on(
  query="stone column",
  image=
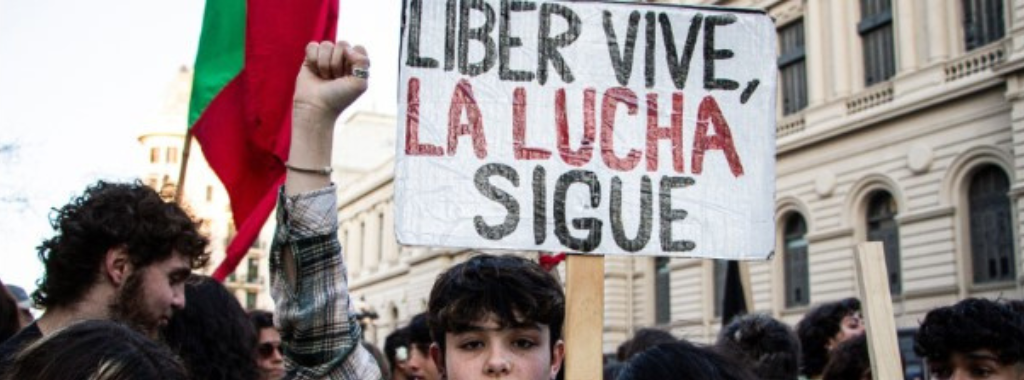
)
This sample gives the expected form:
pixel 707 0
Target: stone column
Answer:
pixel 371 239
pixel 390 243
pixel 938 30
pixel 904 19
pixel 355 245
pixel 843 31
pixel 815 37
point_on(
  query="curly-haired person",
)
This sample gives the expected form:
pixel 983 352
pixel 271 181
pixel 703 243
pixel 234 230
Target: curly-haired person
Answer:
pixel 765 345
pixel 973 339
pixel 822 329
pixel 120 252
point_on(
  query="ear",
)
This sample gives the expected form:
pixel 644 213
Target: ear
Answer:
pixel 557 356
pixel 438 357
pixel 116 265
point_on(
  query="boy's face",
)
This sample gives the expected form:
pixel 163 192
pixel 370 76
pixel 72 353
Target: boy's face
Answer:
pixel 487 351
pixel 420 366
pixel 980 364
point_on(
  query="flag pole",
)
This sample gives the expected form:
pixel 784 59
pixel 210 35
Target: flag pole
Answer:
pixel 180 189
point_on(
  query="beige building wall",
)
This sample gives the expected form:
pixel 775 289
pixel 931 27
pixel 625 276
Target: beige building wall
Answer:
pixel 204 196
pixel 920 136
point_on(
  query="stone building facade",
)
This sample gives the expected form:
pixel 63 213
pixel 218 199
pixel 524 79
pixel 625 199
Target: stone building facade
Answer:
pixel 898 121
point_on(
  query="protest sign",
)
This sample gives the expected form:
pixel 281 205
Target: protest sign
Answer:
pixel 591 127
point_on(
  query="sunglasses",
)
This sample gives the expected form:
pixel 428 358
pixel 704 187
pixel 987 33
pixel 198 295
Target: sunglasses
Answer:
pixel 267 350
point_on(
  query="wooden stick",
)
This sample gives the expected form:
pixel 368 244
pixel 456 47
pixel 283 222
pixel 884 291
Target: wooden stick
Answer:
pixel 179 190
pixel 584 317
pixel 872 276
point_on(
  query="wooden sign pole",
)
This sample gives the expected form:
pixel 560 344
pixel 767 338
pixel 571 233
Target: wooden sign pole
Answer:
pixel 872 276
pixel 584 317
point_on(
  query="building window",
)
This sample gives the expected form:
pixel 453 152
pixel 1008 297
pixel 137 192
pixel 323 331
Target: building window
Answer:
pixel 662 289
pixel 983 22
pixel 253 275
pixel 154 155
pixel 721 270
pixel 795 262
pixel 991 226
pixel 875 29
pixel 172 155
pixel 250 300
pixel 882 227
pixel 793 67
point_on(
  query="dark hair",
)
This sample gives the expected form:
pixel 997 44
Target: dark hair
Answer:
pixel 683 361
pixel 768 347
pixel 612 371
pixel 515 290
pixel 10 314
pixel 213 335
pixel 644 339
pixel 261 319
pixel 397 338
pixel 419 333
pixel 819 326
pixel 970 325
pixel 106 216
pixel 848 360
pixel 95 349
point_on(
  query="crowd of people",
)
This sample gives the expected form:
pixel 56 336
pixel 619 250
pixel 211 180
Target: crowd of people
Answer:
pixel 121 301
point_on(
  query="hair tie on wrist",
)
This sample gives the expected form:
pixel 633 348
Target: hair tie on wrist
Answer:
pixel 324 171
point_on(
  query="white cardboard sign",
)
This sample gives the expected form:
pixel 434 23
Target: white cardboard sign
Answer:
pixel 591 127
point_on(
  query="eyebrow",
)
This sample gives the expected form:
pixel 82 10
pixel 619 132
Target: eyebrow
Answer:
pixel 478 328
pixel 978 355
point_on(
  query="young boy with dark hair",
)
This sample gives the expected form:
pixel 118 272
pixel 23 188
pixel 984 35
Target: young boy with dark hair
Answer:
pixel 973 339
pixel 497 316
pixel 822 329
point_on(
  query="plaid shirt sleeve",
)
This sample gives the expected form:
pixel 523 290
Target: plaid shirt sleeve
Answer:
pixel 319 332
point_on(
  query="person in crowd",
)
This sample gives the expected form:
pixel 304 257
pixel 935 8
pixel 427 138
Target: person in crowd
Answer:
pixel 973 339
pixel 10 321
pixel 120 252
pixel 683 360
pixel 644 339
pixel 213 335
pixel 268 345
pixel 497 316
pixel 24 304
pixel 396 349
pixel 95 350
pixel 612 370
pixel 382 363
pixel 420 364
pixel 824 327
pixel 849 361
pixel 768 347
pixel 313 309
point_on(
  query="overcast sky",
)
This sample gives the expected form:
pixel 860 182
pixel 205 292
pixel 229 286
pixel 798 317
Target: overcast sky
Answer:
pixel 79 80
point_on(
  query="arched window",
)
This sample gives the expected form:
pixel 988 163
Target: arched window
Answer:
pixel 795 263
pixel 991 230
pixel 882 227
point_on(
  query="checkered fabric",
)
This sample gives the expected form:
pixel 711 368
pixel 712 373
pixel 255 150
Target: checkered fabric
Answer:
pixel 319 332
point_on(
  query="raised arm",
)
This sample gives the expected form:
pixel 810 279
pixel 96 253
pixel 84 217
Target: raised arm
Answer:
pixel 319 332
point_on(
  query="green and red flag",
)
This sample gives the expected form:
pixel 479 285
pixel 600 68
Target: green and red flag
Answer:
pixel 249 54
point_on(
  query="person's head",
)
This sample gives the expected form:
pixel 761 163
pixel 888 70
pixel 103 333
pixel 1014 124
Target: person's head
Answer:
pixel 644 339
pixel 682 360
pixel 95 350
pixel 396 349
pixel 24 304
pixel 10 322
pixel 213 336
pixel 497 316
pixel 768 347
pixel 420 365
pixel 823 328
pixel 972 339
pixel 268 345
pixel 124 241
pixel 849 361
